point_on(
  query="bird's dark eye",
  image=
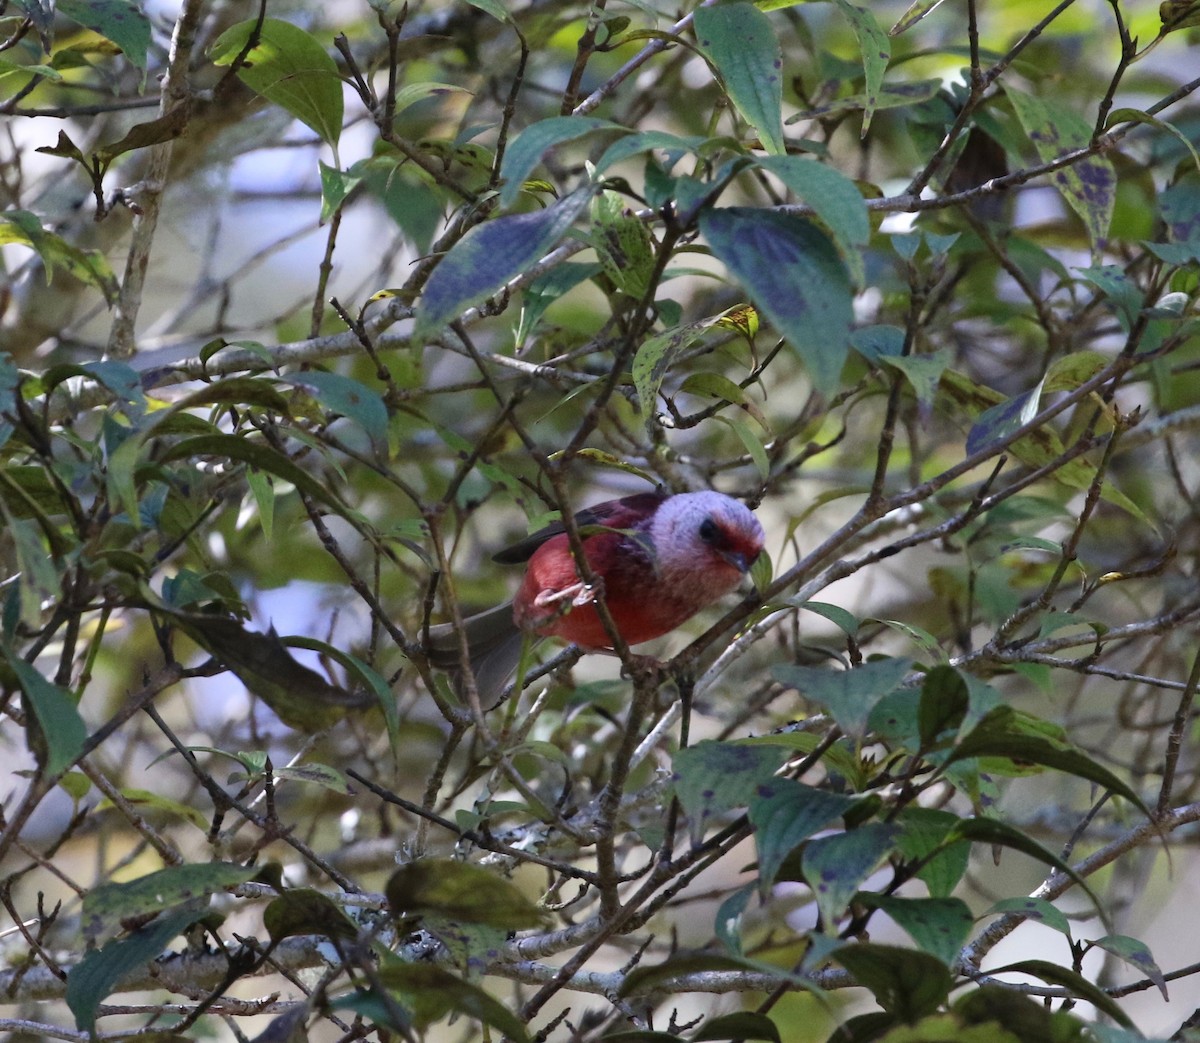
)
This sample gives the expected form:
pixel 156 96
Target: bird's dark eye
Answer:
pixel 709 532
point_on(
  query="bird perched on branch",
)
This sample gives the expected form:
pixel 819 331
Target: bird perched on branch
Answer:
pixel 657 559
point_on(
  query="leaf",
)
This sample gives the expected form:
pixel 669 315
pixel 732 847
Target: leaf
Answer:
pixel 1022 1018
pixel 350 398
pixel 526 152
pixel 1135 953
pixel 306 911
pixel 944 703
pixel 88 266
pixel 834 198
pixel 647 141
pixel 713 777
pixel 1077 983
pixel 742 1024
pixel 256 454
pixel 299 697
pixel 997 424
pixel 923 831
pixel 1036 909
pixel 784 813
pixel 653 360
pixel 939 926
pixel 62 729
pixel 96 975
pixel 1088 185
pixel 432 992
pixel 120 21
pixel 848 695
pixel 876 51
pixel 646 979
pixel 489 256
pixel 142 135
pixel 836 867
pixel 288 67
pixel 142 798
pixel 460 891
pixel 744 48
pixel 984 830
pixel 905 983
pixel 793 273
pixel 753 445
pixel 368 677
pixel 336 186
pixel 1002 733
pixel 917 10
pixel 105 906
pixel 316 774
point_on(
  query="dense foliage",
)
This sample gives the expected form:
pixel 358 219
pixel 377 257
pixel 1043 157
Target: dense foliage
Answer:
pixel 311 308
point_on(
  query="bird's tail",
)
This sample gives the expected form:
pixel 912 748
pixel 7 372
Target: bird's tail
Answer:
pixel 494 644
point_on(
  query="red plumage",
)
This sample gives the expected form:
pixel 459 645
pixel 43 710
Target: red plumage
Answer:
pixel 658 559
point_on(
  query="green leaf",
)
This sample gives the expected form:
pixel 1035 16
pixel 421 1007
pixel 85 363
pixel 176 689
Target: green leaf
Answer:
pixel 653 360
pixel 1077 983
pixel 834 198
pixel 752 443
pixel 1022 1018
pixel 645 979
pixel 939 926
pixel 1089 185
pixel 944 703
pixel 256 454
pixel 1002 733
pixel 143 799
pixel 300 697
pixel 306 911
pixel 845 621
pixel 905 983
pixel 367 677
pixel 713 777
pixel 105 906
pixel 288 67
pixel 97 974
pixel 88 266
pixel 1135 953
pixel 526 152
pixel 350 398
pixel 62 729
pixel 923 831
pixel 488 257
pixel 1036 909
pixel 336 186
pixel 836 867
pixel 120 21
pixel 984 830
pixel 876 51
pixel 460 891
pixel 848 695
pixel 793 274
pixel 743 47
pixel 743 1024
pixel 648 140
pixel 316 774
pixel 784 813
pixel 433 992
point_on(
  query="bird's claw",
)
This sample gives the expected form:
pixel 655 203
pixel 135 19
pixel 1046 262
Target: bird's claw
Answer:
pixel 579 594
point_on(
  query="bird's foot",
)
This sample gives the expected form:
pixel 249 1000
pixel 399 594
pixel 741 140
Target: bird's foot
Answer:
pixel 579 594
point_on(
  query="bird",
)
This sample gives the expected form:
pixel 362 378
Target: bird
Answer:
pixel 658 558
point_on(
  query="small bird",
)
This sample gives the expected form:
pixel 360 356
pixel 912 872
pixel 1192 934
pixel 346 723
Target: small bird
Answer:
pixel 659 560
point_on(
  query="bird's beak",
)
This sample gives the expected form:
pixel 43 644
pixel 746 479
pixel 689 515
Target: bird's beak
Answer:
pixel 738 560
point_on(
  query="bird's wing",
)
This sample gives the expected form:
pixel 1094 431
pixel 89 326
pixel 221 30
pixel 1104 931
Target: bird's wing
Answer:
pixel 626 513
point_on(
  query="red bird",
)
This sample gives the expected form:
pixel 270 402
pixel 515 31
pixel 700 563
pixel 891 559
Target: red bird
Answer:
pixel 659 559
